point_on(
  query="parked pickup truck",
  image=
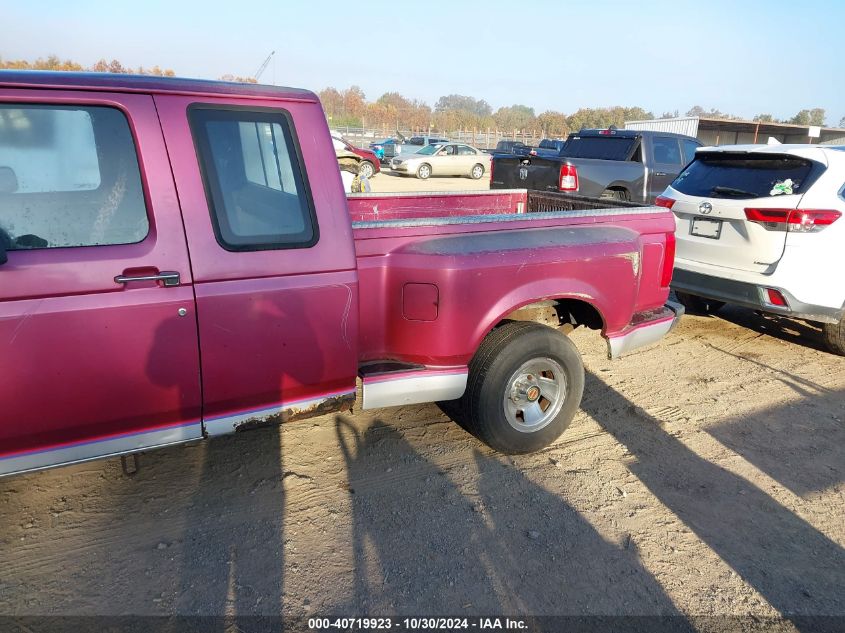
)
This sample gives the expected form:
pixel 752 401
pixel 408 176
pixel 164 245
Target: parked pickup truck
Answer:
pixel 618 164
pixel 178 261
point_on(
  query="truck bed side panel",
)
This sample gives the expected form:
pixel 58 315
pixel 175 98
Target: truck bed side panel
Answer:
pixel 483 272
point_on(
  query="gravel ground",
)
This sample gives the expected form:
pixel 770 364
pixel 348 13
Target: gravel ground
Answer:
pixel 388 181
pixel 702 476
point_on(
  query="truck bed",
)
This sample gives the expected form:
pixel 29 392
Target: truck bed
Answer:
pixel 463 261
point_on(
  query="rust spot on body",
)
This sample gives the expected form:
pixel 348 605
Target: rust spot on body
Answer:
pixel 293 414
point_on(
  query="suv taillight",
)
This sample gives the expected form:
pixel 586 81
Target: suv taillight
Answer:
pixel 793 220
pixel 568 178
pixel 492 165
pixel 668 261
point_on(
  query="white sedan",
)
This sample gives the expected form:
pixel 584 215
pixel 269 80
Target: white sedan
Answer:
pixel 443 159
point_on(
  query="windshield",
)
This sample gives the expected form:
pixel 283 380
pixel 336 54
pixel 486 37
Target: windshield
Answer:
pixel 602 147
pixel 743 177
pixel 428 150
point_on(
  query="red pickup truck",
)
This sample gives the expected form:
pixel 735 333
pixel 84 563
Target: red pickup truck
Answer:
pixel 178 260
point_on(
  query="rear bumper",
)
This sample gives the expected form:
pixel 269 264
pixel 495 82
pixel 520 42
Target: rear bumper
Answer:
pixel 645 329
pixel 750 296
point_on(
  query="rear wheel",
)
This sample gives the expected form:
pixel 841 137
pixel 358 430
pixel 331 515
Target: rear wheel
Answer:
pixel 477 172
pixel 367 169
pixel 424 171
pixel 699 305
pixel 834 336
pixel 525 385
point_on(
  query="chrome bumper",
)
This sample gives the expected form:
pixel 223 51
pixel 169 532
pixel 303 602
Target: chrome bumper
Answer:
pixel 645 330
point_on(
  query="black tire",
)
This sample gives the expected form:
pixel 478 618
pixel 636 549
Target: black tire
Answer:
pixel 615 194
pixel 366 169
pixel 506 350
pixel 424 171
pixel 834 336
pixel 477 171
pixel 699 305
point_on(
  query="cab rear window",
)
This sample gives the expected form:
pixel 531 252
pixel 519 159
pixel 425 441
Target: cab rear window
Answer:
pixel 602 147
pixel 742 177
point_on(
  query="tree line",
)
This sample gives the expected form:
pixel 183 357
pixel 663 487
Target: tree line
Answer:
pixel 393 111
pixel 53 62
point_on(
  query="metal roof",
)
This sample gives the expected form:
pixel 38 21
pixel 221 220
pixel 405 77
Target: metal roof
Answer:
pixel 732 125
pixel 115 82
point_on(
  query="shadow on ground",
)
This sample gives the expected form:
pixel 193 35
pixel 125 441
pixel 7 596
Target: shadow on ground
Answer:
pixel 796 568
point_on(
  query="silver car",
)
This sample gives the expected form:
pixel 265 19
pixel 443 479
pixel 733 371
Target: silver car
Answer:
pixel 443 159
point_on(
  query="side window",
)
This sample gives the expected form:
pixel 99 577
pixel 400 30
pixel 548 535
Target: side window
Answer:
pixel 465 150
pixel 665 150
pixel 689 150
pixel 449 150
pixel 69 177
pixel 256 189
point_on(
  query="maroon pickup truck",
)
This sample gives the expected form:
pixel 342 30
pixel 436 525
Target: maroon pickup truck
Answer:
pixel 178 260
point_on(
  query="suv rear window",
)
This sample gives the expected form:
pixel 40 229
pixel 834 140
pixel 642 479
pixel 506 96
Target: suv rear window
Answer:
pixel 743 177
pixel 416 140
pixel 602 147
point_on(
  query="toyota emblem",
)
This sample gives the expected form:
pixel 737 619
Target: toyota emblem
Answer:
pixel 705 207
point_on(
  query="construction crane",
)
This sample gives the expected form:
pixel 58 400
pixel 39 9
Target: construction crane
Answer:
pixel 263 66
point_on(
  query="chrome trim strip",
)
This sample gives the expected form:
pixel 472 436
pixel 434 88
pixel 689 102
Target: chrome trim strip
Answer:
pixel 100 449
pixel 414 389
pixel 229 424
pixel 540 216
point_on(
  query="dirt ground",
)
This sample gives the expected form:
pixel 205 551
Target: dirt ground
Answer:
pixel 388 181
pixel 702 476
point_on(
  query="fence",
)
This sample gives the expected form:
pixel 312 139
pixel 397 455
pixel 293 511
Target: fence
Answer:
pixel 484 139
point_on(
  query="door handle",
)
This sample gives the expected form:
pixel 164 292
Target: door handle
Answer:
pixel 168 277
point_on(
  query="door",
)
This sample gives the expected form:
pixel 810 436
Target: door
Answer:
pixel 98 338
pixel 666 163
pixel 466 160
pixel 445 161
pixel 272 255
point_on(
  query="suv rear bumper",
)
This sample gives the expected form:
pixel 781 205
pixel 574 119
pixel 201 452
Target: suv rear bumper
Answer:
pixel 750 296
pixel 645 328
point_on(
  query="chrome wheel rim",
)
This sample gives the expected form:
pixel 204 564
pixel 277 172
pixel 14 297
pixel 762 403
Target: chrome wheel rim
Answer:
pixel 366 170
pixel 424 171
pixel 534 395
pixel 477 172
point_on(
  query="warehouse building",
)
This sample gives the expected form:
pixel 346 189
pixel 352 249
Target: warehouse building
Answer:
pixel 729 132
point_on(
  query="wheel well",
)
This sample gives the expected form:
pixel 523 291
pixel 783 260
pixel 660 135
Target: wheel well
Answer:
pixel 559 313
pixel 621 189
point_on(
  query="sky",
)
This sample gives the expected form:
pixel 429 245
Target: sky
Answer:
pixel 741 57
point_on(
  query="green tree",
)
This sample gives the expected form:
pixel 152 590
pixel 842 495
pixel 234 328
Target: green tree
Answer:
pixel 554 124
pixel 816 116
pixel 515 117
pixel 764 118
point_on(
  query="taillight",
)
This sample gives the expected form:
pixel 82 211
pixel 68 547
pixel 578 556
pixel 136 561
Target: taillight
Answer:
pixel 668 261
pixel 663 201
pixel 568 178
pixel 492 165
pixel 793 220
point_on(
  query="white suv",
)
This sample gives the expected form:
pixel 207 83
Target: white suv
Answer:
pixel 760 226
